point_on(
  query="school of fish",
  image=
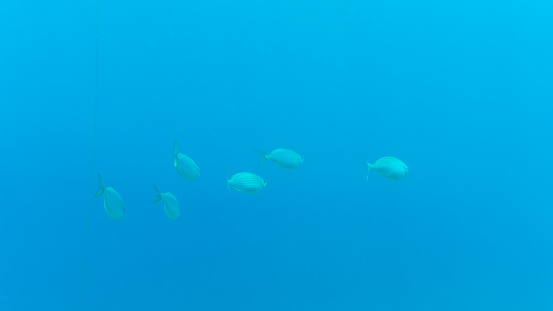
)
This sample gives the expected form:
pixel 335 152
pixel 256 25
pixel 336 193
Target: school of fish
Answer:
pixel 245 182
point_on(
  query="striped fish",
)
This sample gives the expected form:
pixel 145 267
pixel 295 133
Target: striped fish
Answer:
pixel 113 203
pixel 170 203
pixel 389 167
pixel 247 182
pixel 284 158
pixel 186 167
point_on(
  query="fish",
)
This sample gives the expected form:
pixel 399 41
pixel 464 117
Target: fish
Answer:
pixel 113 203
pixel 284 158
pixel 170 203
pixel 186 167
pixel 389 167
pixel 247 182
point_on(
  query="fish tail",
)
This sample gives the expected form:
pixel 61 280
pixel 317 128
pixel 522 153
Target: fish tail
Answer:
pixel 264 156
pixel 101 190
pixel 158 194
pixel 228 181
pixel 370 168
pixel 175 153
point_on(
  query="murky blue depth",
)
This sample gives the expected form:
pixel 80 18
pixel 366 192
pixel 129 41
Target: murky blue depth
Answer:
pixel 459 91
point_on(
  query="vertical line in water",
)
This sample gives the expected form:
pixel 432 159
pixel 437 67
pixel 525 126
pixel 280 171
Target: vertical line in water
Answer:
pixel 91 187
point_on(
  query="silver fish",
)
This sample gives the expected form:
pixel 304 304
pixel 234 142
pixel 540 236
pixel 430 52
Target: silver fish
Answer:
pixel 247 182
pixel 113 203
pixel 284 158
pixel 170 203
pixel 186 167
pixel 389 167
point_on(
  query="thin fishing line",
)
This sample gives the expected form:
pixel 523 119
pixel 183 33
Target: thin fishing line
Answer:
pixel 91 187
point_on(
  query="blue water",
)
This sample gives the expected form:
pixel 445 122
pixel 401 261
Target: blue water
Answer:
pixel 459 90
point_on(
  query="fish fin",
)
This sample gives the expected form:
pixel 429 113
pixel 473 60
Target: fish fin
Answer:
pixel 101 190
pixel 228 181
pixel 370 168
pixel 158 194
pixel 175 154
pixel 264 156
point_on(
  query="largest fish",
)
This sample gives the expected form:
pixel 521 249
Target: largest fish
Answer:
pixel 389 167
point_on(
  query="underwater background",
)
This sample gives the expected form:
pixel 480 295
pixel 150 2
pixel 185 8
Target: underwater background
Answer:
pixel 461 91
